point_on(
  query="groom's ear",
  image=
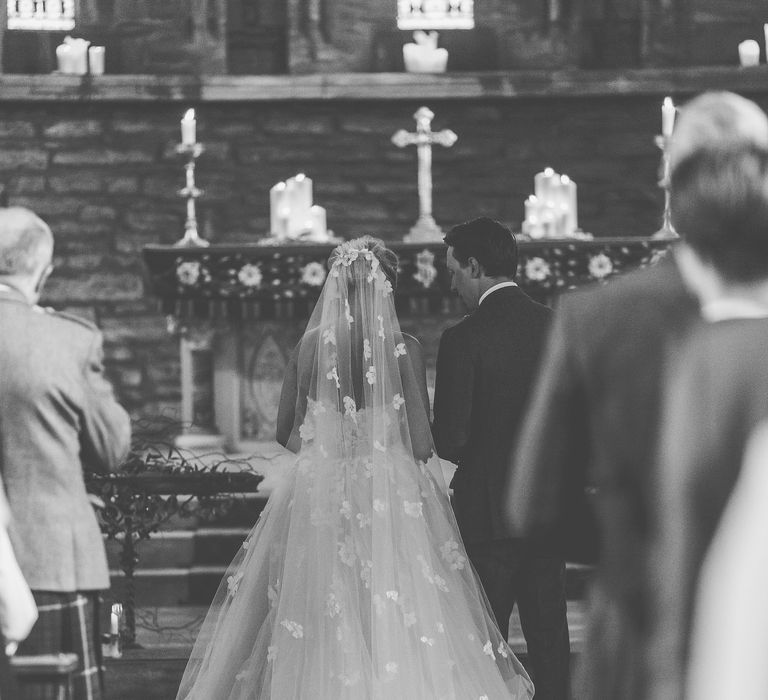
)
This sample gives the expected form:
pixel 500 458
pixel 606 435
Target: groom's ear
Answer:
pixel 475 268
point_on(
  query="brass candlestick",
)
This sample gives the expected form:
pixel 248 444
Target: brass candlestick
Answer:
pixel 667 230
pixel 191 237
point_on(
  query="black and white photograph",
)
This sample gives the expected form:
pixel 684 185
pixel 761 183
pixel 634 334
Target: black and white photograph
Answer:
pixel 383 349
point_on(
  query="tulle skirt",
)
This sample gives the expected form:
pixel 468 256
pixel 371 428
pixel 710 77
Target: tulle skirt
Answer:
pixel 353 585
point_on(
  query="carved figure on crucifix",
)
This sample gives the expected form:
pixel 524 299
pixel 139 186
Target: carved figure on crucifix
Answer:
pixel 425 229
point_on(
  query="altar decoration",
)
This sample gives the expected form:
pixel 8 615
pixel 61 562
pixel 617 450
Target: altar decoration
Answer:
pixel 552 212
pixel 425 229
pixel 256 282
pixel 668 113
pixel 190 148
pixel 423 56
pixel 435 14
pixel 72 56
pixel 293 216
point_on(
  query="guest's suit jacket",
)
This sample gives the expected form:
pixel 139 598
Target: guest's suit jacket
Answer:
pixel 58 416
pixel 717 393
pixel 593 423
pixel 485 369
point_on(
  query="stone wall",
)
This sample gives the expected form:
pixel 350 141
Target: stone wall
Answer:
pixel 105 176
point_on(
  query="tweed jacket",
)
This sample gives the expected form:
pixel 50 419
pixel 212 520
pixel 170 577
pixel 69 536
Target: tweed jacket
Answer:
pixel 593 423
pixel 58 417
pixel 486 365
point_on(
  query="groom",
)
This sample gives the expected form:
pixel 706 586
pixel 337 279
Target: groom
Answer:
pixel 485 368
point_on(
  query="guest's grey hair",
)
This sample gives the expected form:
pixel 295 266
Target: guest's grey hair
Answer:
pixel 26 242
pixel 719 121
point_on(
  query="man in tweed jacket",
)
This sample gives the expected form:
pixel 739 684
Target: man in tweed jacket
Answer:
pixel 58 418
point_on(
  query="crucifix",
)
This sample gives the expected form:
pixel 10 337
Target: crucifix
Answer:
pixel 426 228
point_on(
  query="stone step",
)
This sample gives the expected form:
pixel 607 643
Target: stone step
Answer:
pixel 196 585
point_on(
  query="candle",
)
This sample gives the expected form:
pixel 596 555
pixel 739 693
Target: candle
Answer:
pixel 765 32
pixel 568 187
pixel 114 624
pixel 64 58
pixel 749 53
pixel 276 204
pixel 318 222
pixel 189 128
pixel 543 184
pixel 667 116
pixel 96 60
pixel 299 196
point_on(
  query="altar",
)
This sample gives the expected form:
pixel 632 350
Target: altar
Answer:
pixel 238 311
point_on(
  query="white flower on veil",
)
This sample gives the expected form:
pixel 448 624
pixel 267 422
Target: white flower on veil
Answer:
pixel 370 375
pixel 400 349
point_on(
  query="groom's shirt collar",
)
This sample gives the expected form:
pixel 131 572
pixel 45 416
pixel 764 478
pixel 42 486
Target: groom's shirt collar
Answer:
pixel 500 285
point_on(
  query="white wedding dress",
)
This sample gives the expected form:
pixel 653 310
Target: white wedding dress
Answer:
pixel 354 584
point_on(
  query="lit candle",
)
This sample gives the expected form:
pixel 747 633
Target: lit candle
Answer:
pixel 189 128
pixel 667 116
pixel 531 207
pixel 114 624
pixel 299 197
pixel 318 222
pixel 276 204
pixel 543 184
pixel 570 202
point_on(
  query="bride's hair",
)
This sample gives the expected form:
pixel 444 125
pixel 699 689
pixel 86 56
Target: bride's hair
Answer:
pixel 387 258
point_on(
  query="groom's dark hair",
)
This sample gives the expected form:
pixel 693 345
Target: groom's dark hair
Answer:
pixel 487 241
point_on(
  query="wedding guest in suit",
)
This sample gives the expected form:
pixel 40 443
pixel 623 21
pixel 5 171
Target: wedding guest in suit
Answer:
pixel 485 368
pixel 593 426
pixel 17 606
pixel 58 417
pixel 730 632
pixel 717 390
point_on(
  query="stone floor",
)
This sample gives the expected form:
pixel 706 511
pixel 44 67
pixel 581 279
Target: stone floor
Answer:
pixel 166 635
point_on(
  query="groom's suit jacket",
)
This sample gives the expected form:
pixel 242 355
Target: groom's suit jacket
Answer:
pixel 58 416
pixel 485 369
pixel 593 422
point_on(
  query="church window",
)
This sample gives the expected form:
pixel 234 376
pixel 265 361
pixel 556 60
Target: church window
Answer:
pixel 50 15
pixel 435 14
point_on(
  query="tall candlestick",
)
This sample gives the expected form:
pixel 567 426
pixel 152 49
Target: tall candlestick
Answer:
pixel 668 111
pixel 189 128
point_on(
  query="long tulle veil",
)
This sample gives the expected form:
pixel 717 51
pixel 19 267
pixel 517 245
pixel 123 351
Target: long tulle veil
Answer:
pixel 355 583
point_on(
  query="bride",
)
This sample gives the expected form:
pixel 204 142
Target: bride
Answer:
pixel 354 584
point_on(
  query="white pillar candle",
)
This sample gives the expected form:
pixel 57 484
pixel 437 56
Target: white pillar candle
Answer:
pixel 765 33
pixel 96 60
pixel 299 196
pixel 543 184
pixel 317 216
pixel 749 53
pixel 64 58
pixel 189 128
pixel 276 204
pixel 114 624
pixel 668 110
pixel 568 188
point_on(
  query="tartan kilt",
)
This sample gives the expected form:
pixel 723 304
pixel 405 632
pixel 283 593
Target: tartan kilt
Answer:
pixel 67 623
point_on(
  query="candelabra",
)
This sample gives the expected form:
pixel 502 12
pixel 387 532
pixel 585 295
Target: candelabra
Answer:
pixel 667 230
pixel 191 237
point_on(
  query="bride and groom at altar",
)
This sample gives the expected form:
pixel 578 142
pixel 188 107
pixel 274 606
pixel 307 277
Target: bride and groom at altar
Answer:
pixel 360 580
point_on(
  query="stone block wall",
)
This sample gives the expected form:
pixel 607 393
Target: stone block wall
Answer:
pixel 105 176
